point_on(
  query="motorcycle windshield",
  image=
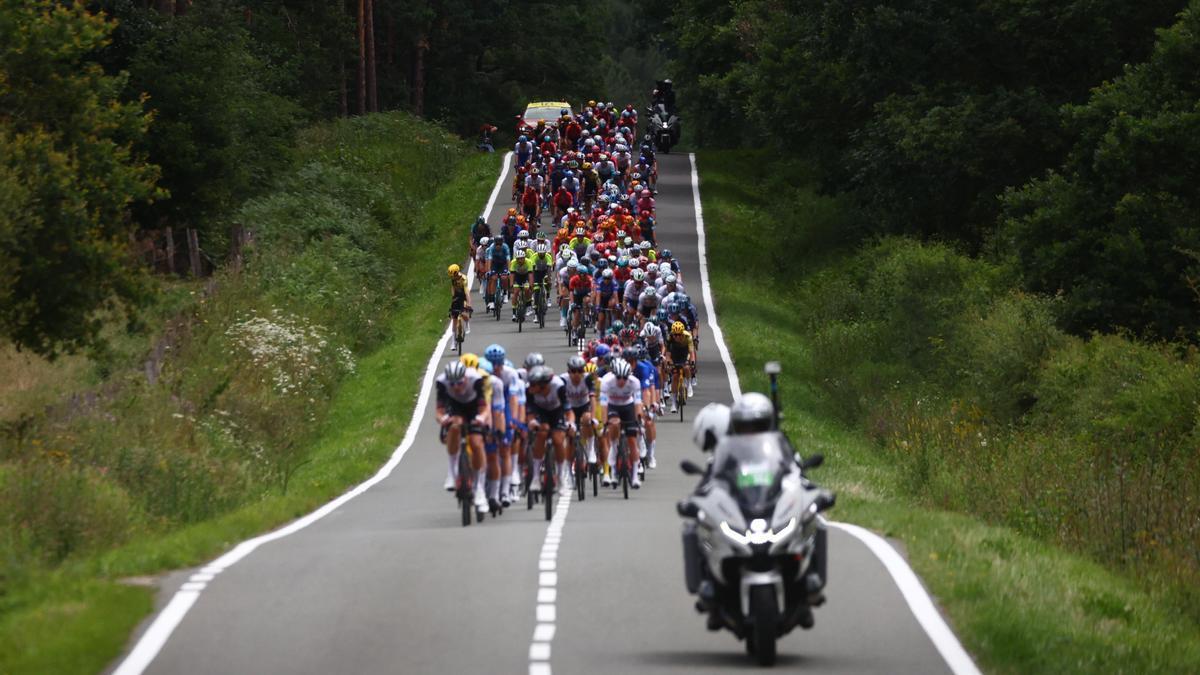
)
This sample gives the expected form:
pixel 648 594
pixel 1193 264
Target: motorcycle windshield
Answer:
pixel 752 468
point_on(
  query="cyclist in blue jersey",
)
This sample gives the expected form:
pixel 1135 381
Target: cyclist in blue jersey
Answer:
pixel 498 255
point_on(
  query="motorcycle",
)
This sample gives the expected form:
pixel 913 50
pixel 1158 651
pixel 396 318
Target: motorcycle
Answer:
pixel 753 545
pixel 663 127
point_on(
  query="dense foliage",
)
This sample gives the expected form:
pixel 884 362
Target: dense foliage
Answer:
pixel 925 112
pixel 69 170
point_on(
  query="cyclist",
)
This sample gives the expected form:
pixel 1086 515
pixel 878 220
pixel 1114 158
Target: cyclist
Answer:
pixel 580 387
pixel 683 353
pixel 543 263
pixel 461 408
pixel 494 358
pixel 581 286
pixel 481 258
pixel 460 300
pixel 648 303
pixel 633 292
pixel 479 231
pixel 493 392
pixel 498 254
pixel 523 150
pixel 621 407
pixel 519 270
pixel 549 417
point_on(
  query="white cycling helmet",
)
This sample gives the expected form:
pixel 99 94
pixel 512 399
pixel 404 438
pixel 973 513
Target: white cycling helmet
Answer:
pixel 670 278
pixel 639 275
pixel 520 254
pixel 710 426
pixel 607 274
pixel 652 267
pixel 483 241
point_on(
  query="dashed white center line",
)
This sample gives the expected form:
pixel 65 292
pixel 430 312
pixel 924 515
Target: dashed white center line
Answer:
pixel 546 612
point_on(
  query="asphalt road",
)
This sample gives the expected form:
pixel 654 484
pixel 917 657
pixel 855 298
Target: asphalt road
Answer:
pixel 390 582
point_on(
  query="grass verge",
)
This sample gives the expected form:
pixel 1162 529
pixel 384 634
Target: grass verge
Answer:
pixel 1019 605
pixel 76 617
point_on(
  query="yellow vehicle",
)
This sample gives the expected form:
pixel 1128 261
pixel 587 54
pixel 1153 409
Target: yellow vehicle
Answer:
pixel 549 111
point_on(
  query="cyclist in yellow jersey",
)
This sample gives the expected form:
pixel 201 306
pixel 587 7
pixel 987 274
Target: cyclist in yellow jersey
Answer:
pixel 682 351
pixel 520 270
pixel 460 299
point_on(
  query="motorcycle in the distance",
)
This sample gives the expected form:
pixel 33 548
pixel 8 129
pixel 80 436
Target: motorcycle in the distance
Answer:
pixel 749 538
pixel 663 127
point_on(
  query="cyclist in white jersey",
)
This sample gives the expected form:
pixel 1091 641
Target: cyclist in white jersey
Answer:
pixel 461 403
pixel 580 387
pixel 549 417
pixel 621 406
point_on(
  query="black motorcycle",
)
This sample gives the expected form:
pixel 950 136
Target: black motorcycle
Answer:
pixel 753 545
pixel 662 127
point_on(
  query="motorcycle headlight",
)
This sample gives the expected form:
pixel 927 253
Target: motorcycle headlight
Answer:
pixel 758 533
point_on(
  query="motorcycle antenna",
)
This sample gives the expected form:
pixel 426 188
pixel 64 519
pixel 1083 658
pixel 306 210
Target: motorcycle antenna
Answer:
pixel 772 369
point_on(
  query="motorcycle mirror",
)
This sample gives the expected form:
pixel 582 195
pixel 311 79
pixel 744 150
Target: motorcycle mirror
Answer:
pixel 814 461
pixel 825 500
pixel 687 509
pixel 690 468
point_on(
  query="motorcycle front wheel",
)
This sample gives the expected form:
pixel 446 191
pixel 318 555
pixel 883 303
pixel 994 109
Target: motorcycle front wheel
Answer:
pixel 764 613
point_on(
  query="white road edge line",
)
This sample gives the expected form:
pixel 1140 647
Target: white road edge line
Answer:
pixel 926 613
pixel 152 641
pixel 546 610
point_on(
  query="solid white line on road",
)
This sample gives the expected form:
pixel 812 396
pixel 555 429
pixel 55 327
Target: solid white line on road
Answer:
pixel 914 593
pixel 164 624
pixel 546 611
pixel 705 290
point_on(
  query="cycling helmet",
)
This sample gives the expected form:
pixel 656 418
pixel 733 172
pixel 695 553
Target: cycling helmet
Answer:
pixel 602 351
pixel 576 363
pixel 647 330
pixel 484 241
pixel 752 413
pixel 710 426
pixel 523 234
pixel 455 372
pixel 541 236
pixel 622 262
pixel 540 375
pixel 652 267
pixel 628 335
pixel 607 273
pixel 621 368
pixel 639 275
pixel 523 139
pixel 645 192
pixel 678 328
pixel 683 299
pixel 512 211
pixel 520 254
pixel 543 248
pixel 670 278
pixel 453 269
pixel 545 139
pixel 590 367
pixel 666 253
pixel 579 231
pixel 469 360
pixel 628 241
pixel 635 263
pixel 645 246
pixel 617 326
pixel 573 263
pixel 661 315
pixel 494 353
pixel 534 359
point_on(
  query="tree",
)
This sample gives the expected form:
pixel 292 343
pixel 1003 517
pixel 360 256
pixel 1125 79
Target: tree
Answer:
pixel 1117 226
pixel 68 176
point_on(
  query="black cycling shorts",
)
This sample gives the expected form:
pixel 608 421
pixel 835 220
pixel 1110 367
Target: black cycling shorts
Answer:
pixel 628 417
pixel 555 419
pixel 580 411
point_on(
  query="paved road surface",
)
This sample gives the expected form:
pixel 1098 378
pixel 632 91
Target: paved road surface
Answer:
pixel 391 583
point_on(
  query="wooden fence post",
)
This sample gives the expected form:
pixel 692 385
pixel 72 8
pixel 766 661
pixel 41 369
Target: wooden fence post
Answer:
pixel 194 251
pixel 170 249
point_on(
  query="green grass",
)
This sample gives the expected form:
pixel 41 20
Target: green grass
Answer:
pixel 77 617
pixel 1017 604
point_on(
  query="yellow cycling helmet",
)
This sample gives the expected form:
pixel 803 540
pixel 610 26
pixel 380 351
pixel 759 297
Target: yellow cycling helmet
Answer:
pixel 589 368
pixel 677 328
pixel 453 269
pixel 469 360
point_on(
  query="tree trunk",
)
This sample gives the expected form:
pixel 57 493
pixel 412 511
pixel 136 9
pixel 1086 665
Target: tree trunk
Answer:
pixel 418 92
pixel 372 90
pixel 362 58
pixel 343 94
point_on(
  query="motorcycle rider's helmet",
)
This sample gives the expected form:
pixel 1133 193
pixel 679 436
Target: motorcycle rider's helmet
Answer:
pixel 751 414
pixel 710 426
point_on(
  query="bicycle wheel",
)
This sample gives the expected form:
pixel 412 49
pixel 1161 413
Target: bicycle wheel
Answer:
pixel 549 474
pixel 466 487
pixel 527 475
pixel 580 468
